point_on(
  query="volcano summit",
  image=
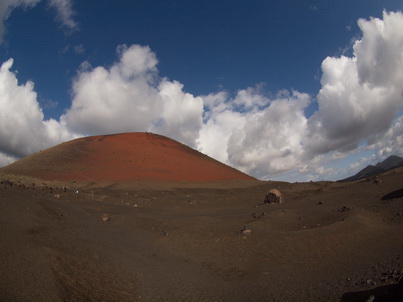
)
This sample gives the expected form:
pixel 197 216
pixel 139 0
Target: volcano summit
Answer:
pixel 124 157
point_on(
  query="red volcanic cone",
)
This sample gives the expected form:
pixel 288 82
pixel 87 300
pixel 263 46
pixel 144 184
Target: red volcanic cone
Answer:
pixel 124 157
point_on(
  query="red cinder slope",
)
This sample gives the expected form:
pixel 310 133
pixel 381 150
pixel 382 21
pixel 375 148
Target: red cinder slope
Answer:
pixel 123 157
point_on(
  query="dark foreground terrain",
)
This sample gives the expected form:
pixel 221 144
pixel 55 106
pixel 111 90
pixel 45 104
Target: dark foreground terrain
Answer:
pixel 183 241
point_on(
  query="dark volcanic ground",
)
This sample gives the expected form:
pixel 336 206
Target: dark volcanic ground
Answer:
pixel 183 241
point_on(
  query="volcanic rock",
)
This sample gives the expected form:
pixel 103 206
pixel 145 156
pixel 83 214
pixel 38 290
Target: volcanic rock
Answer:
pixel 273 196
pixel 105 217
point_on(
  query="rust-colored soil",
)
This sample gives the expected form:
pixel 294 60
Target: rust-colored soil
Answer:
pixel 123 157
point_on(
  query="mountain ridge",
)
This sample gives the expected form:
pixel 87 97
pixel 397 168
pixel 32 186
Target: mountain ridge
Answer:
pixel 390 163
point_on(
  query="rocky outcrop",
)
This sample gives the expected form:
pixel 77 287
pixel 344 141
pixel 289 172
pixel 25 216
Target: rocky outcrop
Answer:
pixel 273 196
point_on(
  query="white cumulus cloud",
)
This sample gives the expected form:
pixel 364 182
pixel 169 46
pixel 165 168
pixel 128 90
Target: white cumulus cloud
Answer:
pixel 23 129
pixel 359 102
pixel 391 142
pixel 129 96
pixel 360 95
pixel 261 139
pixel 219 122
pixel 6 159
pixel 270 140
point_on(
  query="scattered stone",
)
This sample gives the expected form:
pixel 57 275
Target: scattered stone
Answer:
pixel 392 276
pixel 320 202
pixel 371 298
pixel 387 277
pixel 377 181
pixel 164 233
pixel 7 183
pixel 345 208
pixel 273 196
pixel 105 217
pixel 57 196
pixel 246 231
pixel 257 216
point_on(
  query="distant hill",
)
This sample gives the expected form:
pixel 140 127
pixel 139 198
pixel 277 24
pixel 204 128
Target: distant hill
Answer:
pixel 123 157
pixel 392 162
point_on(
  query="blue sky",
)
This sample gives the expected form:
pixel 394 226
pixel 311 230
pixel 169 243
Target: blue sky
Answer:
pixel 286 90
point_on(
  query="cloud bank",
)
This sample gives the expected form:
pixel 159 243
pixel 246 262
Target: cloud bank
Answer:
pixel 359 108
pixel 130 96
pixel 362 96
pixel 23 129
